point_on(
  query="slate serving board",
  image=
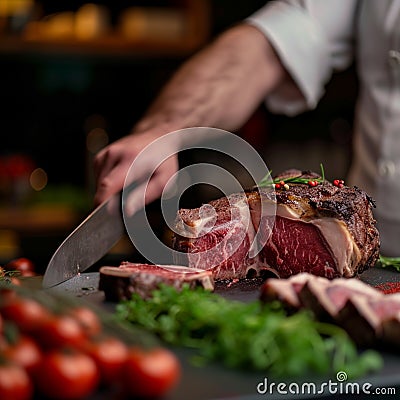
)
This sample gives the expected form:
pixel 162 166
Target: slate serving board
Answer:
pixel 216 382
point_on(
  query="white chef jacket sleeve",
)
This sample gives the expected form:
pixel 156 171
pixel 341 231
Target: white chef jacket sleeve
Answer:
pixel 313 38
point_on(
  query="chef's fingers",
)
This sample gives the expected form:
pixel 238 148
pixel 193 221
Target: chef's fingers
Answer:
pixel 110 182
pixel 152 188
pixel 110 167
pixel 104 162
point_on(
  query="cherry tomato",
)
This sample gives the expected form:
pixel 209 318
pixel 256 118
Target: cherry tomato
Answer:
pixel 60 331
pixel 88 319
pixel 15 383
pixel 14 280
pixel 23 265
pixel 110 355
pixel 150 373
pixel 7 291
pixel 27 274
pixel 67 375
pixel 24 352
pixel 27 313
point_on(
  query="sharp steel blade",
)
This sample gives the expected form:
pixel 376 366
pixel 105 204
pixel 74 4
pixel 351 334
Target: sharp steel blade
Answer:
pixel 90 241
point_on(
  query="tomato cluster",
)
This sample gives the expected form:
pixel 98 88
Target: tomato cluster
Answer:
pixel 68 354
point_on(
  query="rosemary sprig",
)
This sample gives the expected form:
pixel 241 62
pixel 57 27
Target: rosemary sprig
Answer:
pixel 267 181
pixel 391 262
pixel 5 276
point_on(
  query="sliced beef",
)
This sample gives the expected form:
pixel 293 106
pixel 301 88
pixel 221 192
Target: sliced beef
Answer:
pixel 370 317
pixel 324 230
pixel 327 298
pixel 385 306
pixel 391 330
pixel 360 322
pixel 285 290
pixel 119 283
pixel 371 321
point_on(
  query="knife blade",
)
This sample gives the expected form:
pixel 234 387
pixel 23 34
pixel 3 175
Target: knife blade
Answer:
pixel 87 243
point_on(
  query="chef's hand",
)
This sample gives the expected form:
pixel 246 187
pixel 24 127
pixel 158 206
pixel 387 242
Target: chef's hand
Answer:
pixel 111 166
pixel 220 87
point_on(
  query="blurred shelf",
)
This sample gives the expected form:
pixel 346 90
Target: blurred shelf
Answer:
pixel 103 46
pixel 43 219
pixel 139 31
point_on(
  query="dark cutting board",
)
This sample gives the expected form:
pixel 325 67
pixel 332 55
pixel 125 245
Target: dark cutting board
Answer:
pixel 217 382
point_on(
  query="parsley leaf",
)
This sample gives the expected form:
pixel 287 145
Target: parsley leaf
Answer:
pixel 393 262
pixel 251 335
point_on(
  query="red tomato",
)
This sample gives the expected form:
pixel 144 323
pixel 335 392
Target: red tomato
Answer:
pixel 15 383
pixel 88 319
pixel 27 313
pixel 2 338
pixel 24 352
pixel 60 331
pixel 27 274
pixel 23 265
pixel 110 355
pixel 15 281
pixel 7 292
pixel 67 375
pixel 150 373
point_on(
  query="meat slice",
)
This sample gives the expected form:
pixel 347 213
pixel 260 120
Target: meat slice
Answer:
pixel 325 230
pixel 370 317
pixel 119 283
pixel 371 321
pixel 360 322
pixel 285 290
pixel 324 297
pixel 391 330
pixel 327 298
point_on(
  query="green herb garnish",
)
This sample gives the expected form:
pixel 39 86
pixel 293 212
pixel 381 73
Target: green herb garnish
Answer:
pixel 5 276
pixel 251 335
pixel 268 181
pixel 391 262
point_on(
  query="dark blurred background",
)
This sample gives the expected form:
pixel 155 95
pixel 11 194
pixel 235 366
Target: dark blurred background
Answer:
pixel 75 76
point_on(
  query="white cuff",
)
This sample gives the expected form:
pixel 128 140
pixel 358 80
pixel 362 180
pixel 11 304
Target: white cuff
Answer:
pixel 303 50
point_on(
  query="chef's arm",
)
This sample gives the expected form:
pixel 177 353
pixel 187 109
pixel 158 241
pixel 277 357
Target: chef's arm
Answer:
pixel 219 87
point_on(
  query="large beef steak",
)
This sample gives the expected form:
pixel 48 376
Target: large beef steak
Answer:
pixel 327 230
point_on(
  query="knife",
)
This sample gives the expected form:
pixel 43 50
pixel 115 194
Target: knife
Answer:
pixel 88 242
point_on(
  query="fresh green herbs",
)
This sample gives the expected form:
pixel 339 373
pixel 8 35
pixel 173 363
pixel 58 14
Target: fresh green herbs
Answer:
pixel 391 262
pixel 6 276
pixel 268 181
pixel 247 335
